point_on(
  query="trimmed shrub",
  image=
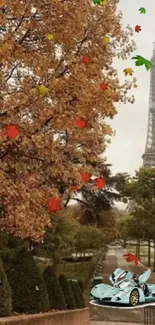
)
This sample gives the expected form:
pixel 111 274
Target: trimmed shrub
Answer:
pixel 67 291
pixel 6 256
pixel 29 292
pixel 56 297
pixel 5 294
pixel 81 285
pixel 76 295
pixel 79 292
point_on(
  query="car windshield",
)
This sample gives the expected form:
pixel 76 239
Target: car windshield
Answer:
pixel 123 284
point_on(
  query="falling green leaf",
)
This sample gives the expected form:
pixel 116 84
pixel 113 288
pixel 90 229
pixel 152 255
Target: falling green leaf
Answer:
pixel 142 10
pixel 139 60
pixel 100 2
pixel 42 90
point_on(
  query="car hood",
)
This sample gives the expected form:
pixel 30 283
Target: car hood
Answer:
pixel 104 290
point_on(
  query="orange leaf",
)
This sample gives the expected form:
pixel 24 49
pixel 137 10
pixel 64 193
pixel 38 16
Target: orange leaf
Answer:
pixel 54 205
pixel 86 177
pixel 74 187
pixel 81 123
pixel 100 183
pixel 103 86
pixel 12 131
pixel 86 59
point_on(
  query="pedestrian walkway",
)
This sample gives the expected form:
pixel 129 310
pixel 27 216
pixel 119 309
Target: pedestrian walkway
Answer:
pixel 112 323
pixel 109 316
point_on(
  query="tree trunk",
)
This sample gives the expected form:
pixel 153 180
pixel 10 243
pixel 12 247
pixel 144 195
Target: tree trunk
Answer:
pixel 124 243
pixel 149 253
pixel 138 248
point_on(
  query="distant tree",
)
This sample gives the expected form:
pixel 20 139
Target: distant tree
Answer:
pixel 140 190
pixel 58 239
pixel 88 237
pixel 123 230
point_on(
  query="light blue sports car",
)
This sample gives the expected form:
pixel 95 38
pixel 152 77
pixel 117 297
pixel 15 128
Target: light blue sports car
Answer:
pixel 127 289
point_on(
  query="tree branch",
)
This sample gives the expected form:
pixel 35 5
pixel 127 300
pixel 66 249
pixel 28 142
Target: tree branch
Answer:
pixel 10 75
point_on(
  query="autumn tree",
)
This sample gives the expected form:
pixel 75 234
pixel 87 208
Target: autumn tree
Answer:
pixel 58 86
pixel 95 204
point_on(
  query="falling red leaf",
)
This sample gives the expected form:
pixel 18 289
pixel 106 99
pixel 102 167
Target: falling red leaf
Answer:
pixel 100 183
pixel 137 28
pixel 12 131
pixel 103 86
pixel 131 257
pixel 74 188
pixel 54 205
pixel 86 59
pixel 81 123
pixel 86 177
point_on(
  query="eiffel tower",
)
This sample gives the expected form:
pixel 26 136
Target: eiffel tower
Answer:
pixel 149 154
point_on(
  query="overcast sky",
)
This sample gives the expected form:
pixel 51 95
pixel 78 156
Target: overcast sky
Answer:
pixel 128 145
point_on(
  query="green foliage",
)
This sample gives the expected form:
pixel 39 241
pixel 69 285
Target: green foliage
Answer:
pixel 28 288
pixel 58 239
pixel 95 203
pixel 79 292
pixel 88 237
pixel 78 296
pixel 6 256
pixel 142 194
pixel 75 294
pixel 56 297
pixel 14 242
pixel 67 291
pixel 81 285
pixel 5 294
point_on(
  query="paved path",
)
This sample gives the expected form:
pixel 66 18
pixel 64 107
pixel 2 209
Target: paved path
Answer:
pixel 110 323
pixel 100 315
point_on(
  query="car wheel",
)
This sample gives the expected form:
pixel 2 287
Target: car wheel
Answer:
pixel 134 297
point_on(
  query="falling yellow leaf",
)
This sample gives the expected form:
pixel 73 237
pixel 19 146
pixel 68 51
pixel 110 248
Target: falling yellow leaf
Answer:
pixel 104 2
pixel 50 37
pixel 42 90
pixel 107 39
pixel 128 71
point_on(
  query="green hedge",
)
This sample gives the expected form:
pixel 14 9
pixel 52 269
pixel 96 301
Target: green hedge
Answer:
pixel 56 297
pixel 29 292
pixel 5 294
pixel 67 291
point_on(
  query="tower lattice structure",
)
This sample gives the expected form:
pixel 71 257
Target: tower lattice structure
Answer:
pixel 149 155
